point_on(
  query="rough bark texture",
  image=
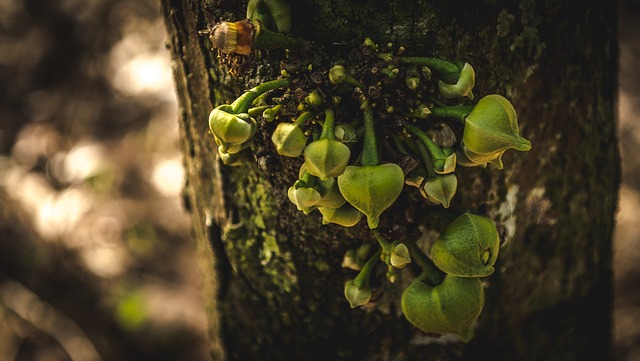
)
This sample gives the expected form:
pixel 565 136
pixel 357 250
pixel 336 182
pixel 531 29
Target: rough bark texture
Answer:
pixel 273 282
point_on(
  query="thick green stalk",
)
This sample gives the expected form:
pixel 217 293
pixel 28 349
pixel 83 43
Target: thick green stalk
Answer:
pixel 398 143
pixel 370 147
pixel 426 157
pixel 362 279
pixel 384 244
pixel 457 113
pixel 328 126
pixel 255 111
pixel 429 269
pixel 445 68
pixel 435 151
pixel 243 102
pixel 302 118
pixel 338 75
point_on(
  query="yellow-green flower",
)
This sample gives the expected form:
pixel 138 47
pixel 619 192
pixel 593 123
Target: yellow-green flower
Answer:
pixel 490 129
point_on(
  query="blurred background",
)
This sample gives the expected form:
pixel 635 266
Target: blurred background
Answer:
pixel 89 153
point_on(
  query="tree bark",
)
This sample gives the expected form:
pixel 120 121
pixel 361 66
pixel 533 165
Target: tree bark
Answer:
pixel 272 277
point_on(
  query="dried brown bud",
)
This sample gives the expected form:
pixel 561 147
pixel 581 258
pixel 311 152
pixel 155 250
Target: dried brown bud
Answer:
pixel 234 37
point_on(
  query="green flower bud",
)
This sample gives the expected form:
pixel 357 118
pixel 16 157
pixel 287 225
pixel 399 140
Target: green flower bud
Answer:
pixel 314 99
pixel 387 57
pixel 468 247
pixel 490 129
pixel 356 258
pixel 303 197
pixel 229 128
pixel 390 71
pixel 370 44
pixel 345 133
pixel 412 82
pixel 440 189
pixel 400 257
pixel 463 86
pixel 372 189
pixel 270 114
pixel 451 307
pixel 346 215
pixel 421 112
pixel 350 261
pixel 326 158
pixel 338 75
pixel 426 72
pixel 357 296
pixel 289 140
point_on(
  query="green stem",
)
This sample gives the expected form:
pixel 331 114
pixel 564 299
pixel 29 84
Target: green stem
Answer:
pixel 429 269
pixel 445 68
pixel 302 119
pixel 384 244
pixel 421 112
pixel 270 114
pixel 457 113
pixel 370 147
pixel 434 150
pixel 327 127
pixel 398 143
pixel 428 163
pixel 362 279
pixel 255 111
pixel 243 102
pixel 387 57
pixel 410 142
pixel 267 39
pixel 315 132
pixel 435 101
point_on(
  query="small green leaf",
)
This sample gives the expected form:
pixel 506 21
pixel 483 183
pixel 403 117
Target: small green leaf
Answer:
pixel 289 140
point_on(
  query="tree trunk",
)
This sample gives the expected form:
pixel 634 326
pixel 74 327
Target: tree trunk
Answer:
pixel 272 277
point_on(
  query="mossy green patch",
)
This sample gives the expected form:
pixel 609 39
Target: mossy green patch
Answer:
pixel 263 256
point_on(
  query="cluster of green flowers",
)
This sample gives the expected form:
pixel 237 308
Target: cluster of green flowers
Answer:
pixel 345 178
pixel 447 296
